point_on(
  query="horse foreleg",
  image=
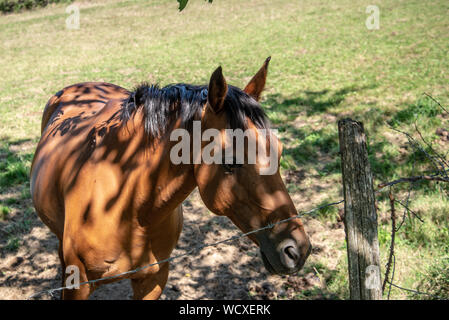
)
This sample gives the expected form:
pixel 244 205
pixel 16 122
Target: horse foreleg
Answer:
pixel 151 287
pixel 61 259
pixel 84 290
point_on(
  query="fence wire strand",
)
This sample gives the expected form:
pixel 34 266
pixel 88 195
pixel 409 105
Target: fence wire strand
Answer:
pixel 190 252
pixel 416 292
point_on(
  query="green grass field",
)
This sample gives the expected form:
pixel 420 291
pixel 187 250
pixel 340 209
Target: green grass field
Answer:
pixel 325 65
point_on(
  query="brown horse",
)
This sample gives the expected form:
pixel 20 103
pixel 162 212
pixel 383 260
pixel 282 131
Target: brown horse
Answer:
pixel 103 181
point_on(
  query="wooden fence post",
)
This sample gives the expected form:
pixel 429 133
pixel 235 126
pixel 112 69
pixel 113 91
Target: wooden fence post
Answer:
pixel 360 213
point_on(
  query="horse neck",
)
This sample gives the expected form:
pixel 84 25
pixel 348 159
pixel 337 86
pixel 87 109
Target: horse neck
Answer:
pixel 165 184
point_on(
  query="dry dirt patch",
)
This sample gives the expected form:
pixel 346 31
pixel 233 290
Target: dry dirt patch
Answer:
pixel 229 271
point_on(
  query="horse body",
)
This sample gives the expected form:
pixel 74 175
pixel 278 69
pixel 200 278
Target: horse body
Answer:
pixel 92 185
pixel 113 197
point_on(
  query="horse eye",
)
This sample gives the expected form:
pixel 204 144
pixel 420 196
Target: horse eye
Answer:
pixel 229 167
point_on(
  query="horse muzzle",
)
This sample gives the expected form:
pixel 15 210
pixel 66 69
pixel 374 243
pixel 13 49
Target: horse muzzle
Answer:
pixel 287 257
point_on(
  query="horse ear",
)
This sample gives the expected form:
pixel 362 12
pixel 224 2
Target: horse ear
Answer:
pixel 255 86
pixel 217 91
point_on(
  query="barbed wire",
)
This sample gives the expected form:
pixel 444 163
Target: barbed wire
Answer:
pixel 189 252
pixel 416 292
pixel 391 263
pixel 393 233
pixel 441 166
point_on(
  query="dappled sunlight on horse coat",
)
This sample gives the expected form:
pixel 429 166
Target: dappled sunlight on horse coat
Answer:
pixel 103 182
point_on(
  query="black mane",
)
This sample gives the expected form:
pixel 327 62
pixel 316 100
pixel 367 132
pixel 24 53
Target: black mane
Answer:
pixel 161 106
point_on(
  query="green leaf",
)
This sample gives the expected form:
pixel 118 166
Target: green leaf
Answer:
pixel 182 4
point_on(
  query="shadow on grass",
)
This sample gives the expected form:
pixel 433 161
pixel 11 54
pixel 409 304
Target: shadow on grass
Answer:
pixel 318 282
pixel 19 244
pixel 319 147
pixel 14 192
pixel 14 163
pixel 311 102
pixel 307 147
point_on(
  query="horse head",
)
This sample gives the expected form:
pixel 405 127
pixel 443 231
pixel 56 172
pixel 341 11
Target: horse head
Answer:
pixel 244 184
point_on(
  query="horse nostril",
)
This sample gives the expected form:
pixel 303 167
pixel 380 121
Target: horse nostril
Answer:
pixel 290 251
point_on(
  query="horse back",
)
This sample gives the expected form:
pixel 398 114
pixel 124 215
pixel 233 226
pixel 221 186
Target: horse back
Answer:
pixel 67 121
pixel 91 95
